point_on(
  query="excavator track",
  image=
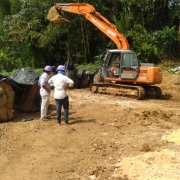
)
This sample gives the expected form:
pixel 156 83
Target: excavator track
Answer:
pixel 136 92
pixel 152 91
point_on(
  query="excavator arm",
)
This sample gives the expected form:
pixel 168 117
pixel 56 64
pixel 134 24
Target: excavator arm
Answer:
pixel 89 12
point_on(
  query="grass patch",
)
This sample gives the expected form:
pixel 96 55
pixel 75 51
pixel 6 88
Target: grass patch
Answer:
pixel 169 64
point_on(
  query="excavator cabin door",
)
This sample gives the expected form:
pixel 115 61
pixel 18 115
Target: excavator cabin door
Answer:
pixel 129 66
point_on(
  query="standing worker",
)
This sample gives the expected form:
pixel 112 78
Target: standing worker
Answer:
pixel 61 84
pixel 45 90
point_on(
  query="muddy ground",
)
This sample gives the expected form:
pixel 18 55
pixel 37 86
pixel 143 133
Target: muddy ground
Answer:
pixel 109 138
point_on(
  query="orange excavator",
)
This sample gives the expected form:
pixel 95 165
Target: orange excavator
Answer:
pixel 121 73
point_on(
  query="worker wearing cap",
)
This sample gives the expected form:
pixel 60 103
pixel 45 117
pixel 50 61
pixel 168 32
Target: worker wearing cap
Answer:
pixel 61 84
pixel 45 89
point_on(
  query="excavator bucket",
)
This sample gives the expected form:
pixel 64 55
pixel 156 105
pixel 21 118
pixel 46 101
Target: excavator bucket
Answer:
pixel 56 16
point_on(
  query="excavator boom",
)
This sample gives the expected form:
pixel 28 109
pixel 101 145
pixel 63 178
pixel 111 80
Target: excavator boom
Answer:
pixel 89 12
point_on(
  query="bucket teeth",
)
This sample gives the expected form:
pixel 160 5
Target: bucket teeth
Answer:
pixel 56 16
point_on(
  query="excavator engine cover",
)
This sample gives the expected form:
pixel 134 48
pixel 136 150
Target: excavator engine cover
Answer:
pixel 56 16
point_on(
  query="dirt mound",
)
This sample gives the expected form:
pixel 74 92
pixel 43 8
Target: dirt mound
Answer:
pixel 170 86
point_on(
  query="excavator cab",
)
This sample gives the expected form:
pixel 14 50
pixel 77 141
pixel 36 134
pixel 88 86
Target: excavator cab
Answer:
pixel 120 64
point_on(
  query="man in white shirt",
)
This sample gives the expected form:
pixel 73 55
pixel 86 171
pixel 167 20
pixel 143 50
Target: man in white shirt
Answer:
pixel 45 90
pixel 61 84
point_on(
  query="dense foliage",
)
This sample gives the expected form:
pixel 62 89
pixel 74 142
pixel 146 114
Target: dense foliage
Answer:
pixel 28 39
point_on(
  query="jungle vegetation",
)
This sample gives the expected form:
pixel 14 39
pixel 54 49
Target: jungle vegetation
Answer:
pixel 28 39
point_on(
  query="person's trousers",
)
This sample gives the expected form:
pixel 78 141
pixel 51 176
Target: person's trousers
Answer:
pixel 65 103
pixel 44 106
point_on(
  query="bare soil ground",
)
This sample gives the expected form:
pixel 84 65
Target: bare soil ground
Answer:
pixel 109 137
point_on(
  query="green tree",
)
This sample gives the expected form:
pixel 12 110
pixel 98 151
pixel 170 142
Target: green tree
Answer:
pixel 15 6
pixel 27 38
pixel 167 42
pixel 143 44
pixel 21 32
pixel 5 9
